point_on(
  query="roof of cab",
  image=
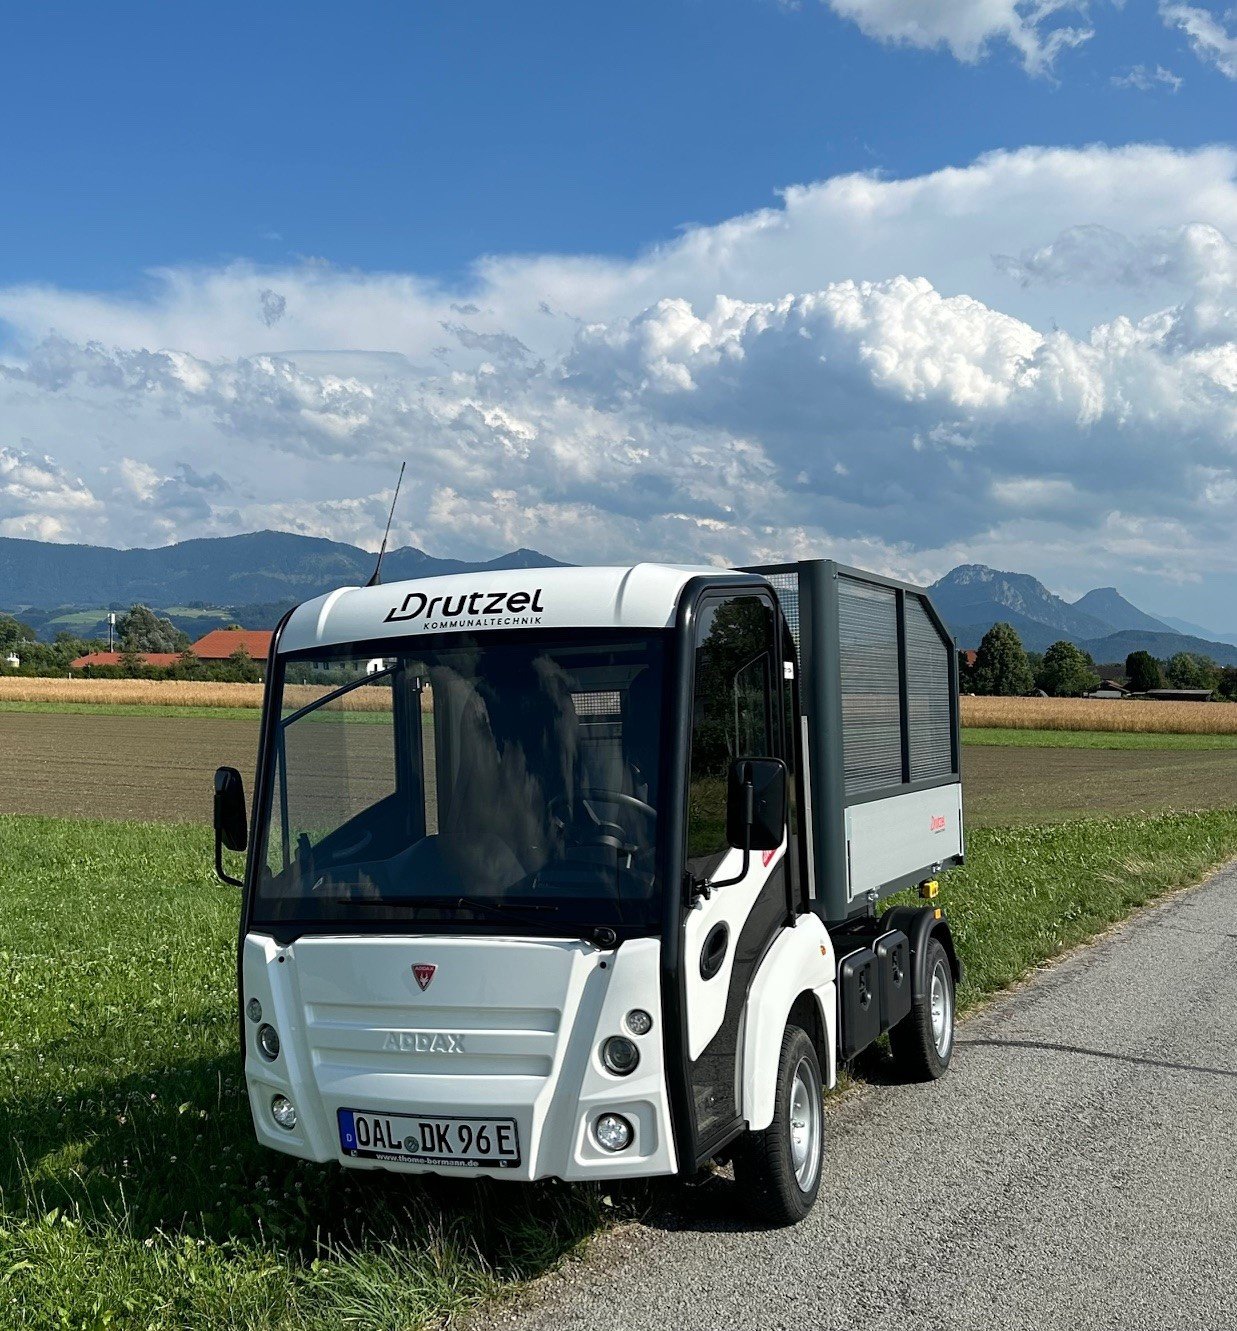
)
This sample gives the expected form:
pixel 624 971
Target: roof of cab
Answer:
pixel 639 596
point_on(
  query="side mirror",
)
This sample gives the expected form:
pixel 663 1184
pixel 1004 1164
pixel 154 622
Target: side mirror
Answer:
pixel 756 804
pixel 231 823
pixel 755 813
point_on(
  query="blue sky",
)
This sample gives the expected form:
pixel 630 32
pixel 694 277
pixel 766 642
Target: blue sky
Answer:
pixel 908 282
pixel 421 135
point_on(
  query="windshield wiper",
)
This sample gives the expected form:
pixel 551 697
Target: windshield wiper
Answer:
pixel 599 934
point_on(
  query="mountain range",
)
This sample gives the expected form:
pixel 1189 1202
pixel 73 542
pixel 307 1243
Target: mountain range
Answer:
pixel 222 571
pixel 253 578
pixel 972 597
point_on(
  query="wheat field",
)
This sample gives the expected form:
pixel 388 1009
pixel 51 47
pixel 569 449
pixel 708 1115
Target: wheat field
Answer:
pixel 173 693
pixel 1104 714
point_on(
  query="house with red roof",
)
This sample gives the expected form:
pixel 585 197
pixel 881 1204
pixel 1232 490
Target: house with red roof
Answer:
pixel 220 644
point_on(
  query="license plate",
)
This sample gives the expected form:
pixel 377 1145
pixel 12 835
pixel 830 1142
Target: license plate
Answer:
pixel 429 1139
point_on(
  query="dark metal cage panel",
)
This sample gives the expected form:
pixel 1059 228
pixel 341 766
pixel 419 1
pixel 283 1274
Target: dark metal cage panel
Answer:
pixel 786 585
pixel 878 699
pixel 867 643
pixel 929 714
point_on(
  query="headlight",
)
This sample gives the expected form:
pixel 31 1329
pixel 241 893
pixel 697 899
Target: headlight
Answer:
pixel 613 1132
pixel 253 1010
pixel 619 1055
pixel 639 1022
pixel 268 1042
pixel 283 1111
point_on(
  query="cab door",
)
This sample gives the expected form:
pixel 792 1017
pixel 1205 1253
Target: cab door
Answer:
pixel 736 713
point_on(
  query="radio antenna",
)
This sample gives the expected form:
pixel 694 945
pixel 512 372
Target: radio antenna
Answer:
pixel 376 579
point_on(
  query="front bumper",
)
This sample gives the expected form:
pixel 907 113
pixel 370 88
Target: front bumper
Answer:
pixel 526 1019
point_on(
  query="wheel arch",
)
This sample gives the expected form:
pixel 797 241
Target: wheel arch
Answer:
pixel 795 984
pixel 921 924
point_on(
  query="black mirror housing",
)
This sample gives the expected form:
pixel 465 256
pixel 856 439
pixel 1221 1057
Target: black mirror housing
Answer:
pixel 231 821
pixel 756 804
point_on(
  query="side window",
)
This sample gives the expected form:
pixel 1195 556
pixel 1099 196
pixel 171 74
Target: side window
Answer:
pixel 733 711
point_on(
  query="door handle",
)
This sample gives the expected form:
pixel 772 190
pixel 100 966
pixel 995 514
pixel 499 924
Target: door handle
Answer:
pixel 714 951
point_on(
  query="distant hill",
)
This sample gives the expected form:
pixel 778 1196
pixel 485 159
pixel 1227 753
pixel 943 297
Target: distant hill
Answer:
pixel 972 597
pixel 974 594
pixel 268 568
pixel 1108 605
pixel 1185 626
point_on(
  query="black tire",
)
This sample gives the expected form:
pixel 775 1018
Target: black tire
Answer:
pixel 921 1050
pixel 764 1162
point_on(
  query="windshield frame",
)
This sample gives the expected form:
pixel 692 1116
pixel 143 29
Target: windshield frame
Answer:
pixel 367 924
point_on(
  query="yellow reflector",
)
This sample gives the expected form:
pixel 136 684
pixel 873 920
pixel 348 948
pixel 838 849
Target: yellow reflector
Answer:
pixel 937 912
pixel 929 888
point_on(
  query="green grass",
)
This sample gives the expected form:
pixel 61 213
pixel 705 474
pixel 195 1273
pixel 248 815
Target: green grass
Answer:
pixel 991 737
pixel 1028 893
pixel 132 1194
pixel 134 709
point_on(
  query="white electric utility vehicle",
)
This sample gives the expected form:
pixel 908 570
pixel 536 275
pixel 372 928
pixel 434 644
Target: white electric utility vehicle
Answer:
pixel 577 872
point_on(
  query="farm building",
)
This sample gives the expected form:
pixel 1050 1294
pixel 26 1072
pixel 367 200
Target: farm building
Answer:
pixel 1110 688
pixel 220 644
pixel 95 659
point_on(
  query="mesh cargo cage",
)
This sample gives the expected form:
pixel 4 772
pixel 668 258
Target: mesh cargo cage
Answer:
pixel 878 699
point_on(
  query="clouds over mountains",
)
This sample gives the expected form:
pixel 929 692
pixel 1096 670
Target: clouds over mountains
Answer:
pixel 1037 351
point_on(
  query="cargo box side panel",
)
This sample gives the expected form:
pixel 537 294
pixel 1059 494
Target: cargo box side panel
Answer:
pixel 901 839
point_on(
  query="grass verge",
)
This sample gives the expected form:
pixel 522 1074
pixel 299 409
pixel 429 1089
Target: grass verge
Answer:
pixel 998 737
pixel 132 1194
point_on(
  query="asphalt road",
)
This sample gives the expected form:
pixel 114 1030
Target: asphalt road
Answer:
pixel 1077 1168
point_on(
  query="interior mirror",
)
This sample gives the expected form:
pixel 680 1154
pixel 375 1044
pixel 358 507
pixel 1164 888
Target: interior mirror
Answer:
pixel 756 804
pixel 231 823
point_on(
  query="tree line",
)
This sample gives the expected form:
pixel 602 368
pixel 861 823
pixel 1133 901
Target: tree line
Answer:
pixel 1004 668
pixel 138 631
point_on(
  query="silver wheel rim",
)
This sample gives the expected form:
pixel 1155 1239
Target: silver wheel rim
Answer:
pixel 805 1126
pixel 942 1010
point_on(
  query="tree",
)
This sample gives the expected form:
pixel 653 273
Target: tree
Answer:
pixel 141 630
pixel 1143 672
pixel 966 673
pixel 13 633
pixel 1001 665
pixel 1228 683
pixel 242 668
pixel 1066 672
pixel 1187 670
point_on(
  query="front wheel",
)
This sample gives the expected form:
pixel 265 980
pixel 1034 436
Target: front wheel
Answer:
pixel 922 1043
pixel 778 1170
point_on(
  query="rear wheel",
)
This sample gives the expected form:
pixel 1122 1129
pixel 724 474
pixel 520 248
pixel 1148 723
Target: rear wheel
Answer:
pixel 923 1042
pixel 778 1170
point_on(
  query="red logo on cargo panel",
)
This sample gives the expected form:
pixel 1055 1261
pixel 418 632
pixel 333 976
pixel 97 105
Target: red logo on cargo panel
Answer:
pixel 938 825
pixel 423 973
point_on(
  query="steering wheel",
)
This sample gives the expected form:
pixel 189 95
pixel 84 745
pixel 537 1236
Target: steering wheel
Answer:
pixel 602 833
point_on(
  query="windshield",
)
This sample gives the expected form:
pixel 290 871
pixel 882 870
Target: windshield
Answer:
pixel 510 783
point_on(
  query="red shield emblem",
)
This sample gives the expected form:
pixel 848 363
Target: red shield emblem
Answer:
pixel 423 973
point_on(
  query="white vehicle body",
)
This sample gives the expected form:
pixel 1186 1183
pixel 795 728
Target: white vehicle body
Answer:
pixel 441 999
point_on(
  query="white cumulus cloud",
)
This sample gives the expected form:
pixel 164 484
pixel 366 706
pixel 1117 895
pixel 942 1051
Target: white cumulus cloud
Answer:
pixel 1031 359
pixel 968 28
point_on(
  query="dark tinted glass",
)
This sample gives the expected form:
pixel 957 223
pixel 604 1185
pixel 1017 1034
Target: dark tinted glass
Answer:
pixel 523 776
pixel 732 714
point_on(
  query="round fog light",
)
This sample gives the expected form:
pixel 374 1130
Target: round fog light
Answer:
pixel 639 1022
pixel 268 1042
pixel 619 1055
pixel 253 1009
pixel 283 1111
pixel 613 1132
